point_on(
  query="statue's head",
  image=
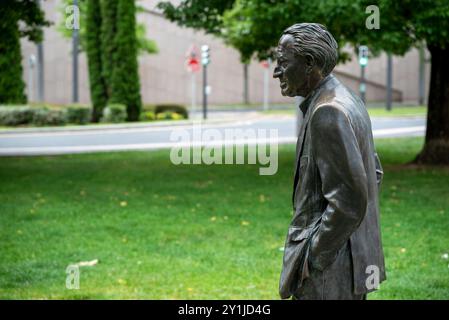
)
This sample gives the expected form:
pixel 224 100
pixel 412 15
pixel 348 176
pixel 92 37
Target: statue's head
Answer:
pixel 306 53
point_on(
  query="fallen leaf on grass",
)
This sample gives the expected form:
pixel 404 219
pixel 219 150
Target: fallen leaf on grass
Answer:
pixel 87 263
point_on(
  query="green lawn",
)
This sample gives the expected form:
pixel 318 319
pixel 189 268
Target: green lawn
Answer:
pixel 195 232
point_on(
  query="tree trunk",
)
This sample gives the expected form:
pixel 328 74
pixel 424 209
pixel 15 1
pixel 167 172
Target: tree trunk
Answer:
pixel 436 147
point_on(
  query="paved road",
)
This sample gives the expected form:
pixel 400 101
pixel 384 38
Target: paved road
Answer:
pixel 149 137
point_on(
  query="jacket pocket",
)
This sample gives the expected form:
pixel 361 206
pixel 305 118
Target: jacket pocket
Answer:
pixel 294 258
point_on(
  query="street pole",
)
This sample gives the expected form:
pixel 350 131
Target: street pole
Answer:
pixel 205 59
pixel 75 41
pixel 40 68
pixel 204 92
pixel 193 93
pixel 266 87
pixel 363 61
pixel 389 81
pixel 32 63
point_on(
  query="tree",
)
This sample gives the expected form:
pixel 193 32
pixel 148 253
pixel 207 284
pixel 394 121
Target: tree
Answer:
pixel 99 21
pixel 97 82
pixel 17 19
pixel 206 15
pixel 145 45
pixel 125 85
pixel 108 44
pixel 254 26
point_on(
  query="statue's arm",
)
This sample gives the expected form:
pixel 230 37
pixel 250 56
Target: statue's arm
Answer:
pixel 344 183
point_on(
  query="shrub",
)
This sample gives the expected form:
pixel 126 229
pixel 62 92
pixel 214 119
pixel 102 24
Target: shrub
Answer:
pixel 49 117
pixel 169 116
pixel 16 115
pixel 147 116
pixel 177 116
pixel 114 113
pixel 180 109
pixel 79 114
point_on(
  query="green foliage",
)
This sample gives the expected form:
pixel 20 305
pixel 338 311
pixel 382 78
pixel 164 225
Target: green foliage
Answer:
pixel 49 117
pixel 147 116
pixel 254 26
pixel 79 114
pixel 11 82
pixel 17 19
pixel 108 44
pixel 16 115
pixel 177 108
pixel 168 115
pixel 145 45
pixel 197 14
pixel 125 85
pixel 40 115
pixel 114 113
pixel 112 45
pixel 97 81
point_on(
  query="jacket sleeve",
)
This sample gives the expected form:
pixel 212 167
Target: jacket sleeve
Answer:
pixel 344 183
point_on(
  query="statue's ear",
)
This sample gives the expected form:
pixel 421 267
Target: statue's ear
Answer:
pixel 310 63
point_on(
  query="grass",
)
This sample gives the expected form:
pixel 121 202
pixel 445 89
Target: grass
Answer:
pixel 195 232
pixel 397 111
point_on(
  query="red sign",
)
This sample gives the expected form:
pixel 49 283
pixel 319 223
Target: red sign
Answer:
pixel 192 62
pixel 265 64
pixel 193 65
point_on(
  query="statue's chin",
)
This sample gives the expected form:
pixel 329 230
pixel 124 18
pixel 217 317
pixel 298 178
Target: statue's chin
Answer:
pixel 287 93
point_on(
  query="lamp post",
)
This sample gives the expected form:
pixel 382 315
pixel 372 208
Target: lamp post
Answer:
pixel 75 42
pixel 363 61
pixel 205 60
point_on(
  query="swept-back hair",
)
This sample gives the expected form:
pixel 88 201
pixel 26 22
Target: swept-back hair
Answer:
pixel 313 40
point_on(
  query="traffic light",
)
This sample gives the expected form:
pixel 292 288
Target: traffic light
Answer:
pixel 363 56
pixel 205 59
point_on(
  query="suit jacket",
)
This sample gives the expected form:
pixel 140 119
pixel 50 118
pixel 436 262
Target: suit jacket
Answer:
pixel 335 190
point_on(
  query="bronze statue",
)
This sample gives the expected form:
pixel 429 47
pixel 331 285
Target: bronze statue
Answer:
pixel 333 248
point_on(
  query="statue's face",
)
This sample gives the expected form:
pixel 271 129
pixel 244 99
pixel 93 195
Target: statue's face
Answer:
pixel 291 69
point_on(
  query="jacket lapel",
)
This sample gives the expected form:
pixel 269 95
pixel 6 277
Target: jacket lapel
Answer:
pixel 300 142
pixel 307 105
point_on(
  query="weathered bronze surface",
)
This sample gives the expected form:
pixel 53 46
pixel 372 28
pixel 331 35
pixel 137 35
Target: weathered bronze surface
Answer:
pixel 333 248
